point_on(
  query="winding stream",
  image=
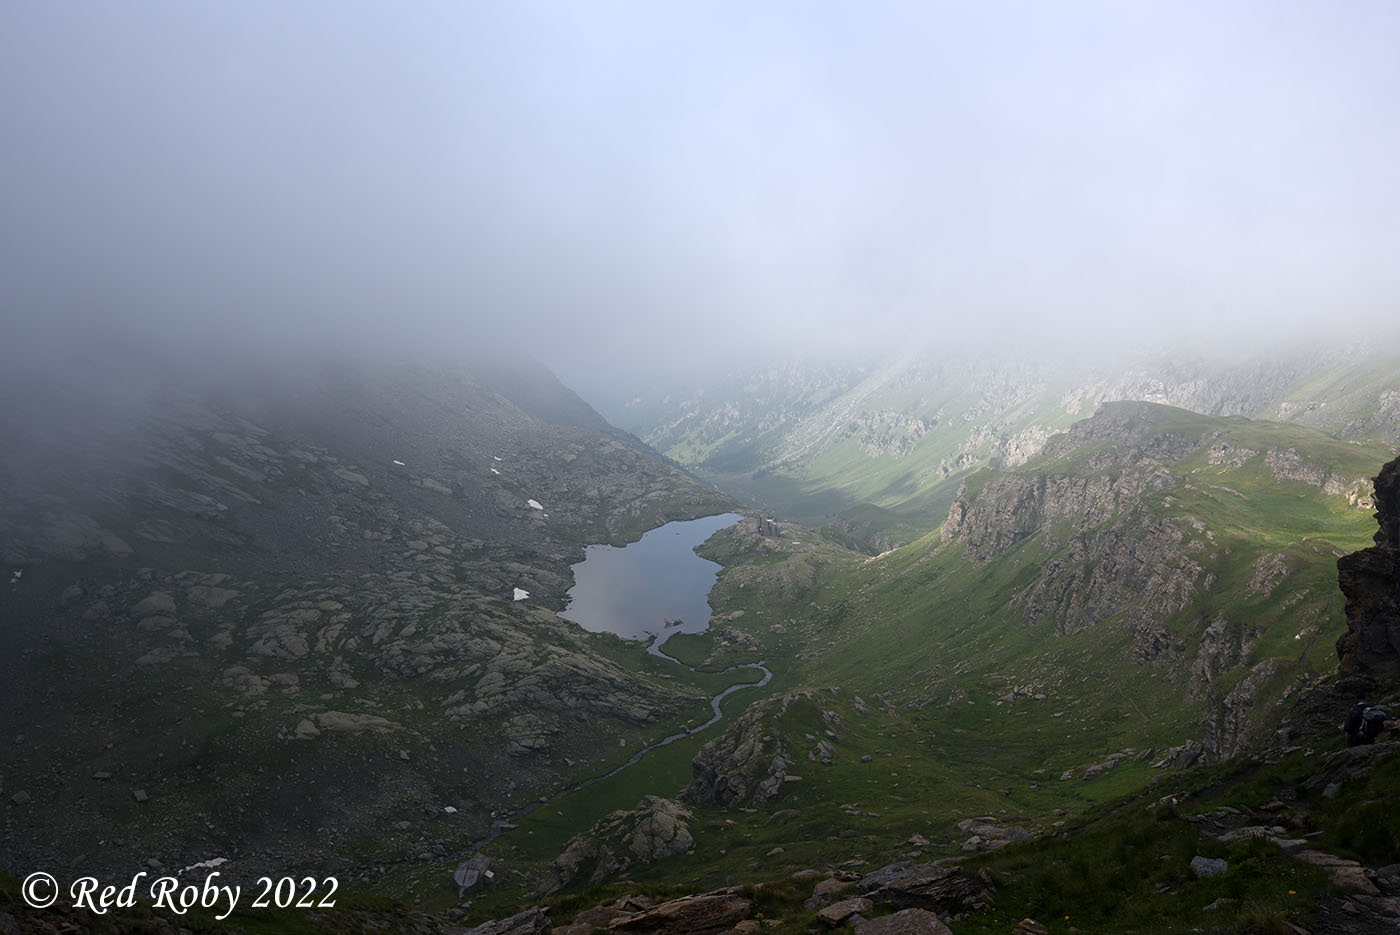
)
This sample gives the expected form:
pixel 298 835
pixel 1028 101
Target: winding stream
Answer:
pixel 501 825
pixel 652 588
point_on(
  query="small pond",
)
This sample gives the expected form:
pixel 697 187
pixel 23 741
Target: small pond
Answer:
pixel 653 587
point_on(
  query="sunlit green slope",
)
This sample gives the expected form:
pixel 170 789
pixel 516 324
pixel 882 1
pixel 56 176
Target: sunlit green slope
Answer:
pixel 813 443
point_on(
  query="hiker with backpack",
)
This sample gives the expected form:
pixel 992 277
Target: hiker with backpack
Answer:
pixel 1363 724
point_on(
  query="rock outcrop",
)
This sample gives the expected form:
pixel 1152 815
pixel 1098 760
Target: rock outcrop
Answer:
pixel 944 890
pixel 709 914
pixel 987 833
pixel 656 829
pixel 1370 579
pixel 747 763
pixel 533 921
pixel 306 571
pixel 905 922
pixel 1124 522
pixel 1111 555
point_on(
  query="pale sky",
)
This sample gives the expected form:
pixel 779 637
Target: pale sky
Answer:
pixel 612 181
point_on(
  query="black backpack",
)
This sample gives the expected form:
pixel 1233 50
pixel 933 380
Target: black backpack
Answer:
pixel 1372 722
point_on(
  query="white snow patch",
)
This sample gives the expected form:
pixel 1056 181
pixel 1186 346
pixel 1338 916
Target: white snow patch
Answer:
pixel 399 463
pixel 535 504
pixel 450 810
pixel 495 457
pixel 204 865
pixel 519 594
pixel 494 471
pixel 16 575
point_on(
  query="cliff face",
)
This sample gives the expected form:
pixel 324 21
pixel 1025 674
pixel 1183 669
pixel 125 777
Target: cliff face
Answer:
pixel 745 763
pixel 1370 579
pixel 1182 530
pixel 1111 553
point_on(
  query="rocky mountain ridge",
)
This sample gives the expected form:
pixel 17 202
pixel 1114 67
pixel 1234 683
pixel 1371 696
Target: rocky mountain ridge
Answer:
pixel 310 620
pixel 901 432
pixel 1273 822
pixel 1147 558
pixel 1109 502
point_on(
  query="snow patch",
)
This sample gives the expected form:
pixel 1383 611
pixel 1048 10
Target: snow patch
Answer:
pixel 535 504
pixel 204 865
pixel 494 471
pixel 519 594
pixel 399 463
pixel 450 810
pixel 495 457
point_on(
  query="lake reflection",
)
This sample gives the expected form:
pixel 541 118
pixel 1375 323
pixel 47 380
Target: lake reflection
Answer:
pixel 633 591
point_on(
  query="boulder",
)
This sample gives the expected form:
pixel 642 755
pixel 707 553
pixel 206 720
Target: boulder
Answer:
pixel 656 829
pixel 1181 757
pixel 828 888
pixel 838 913
pixel 1208 866
pixel 533 921
pixel 905 922
pixel 1350 763
pixel 354 723
pixel 158 603
pixel 925 886
pixel 1353 880
pixel 709 914
pixel 599 917
pixel 988 834
pixel 747 763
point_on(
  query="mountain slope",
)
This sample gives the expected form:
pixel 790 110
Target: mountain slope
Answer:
pixel 273 619
pixel 1156 590
pixel 1147 549
pixel 902 432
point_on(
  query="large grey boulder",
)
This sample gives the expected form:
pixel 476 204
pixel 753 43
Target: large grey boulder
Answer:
pixel 905 922
pixel 709 914
pixel 747 763
pixel 925 886
pixel 656 829
pixel 533 921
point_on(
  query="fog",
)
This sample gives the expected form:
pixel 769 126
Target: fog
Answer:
pixel 620 188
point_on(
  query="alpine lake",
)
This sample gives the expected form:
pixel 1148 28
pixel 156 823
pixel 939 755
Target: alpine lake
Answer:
pixel 651 588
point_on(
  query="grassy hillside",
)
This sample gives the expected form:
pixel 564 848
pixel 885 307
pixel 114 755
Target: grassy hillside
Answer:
pixel 1168 585
pixel 810 443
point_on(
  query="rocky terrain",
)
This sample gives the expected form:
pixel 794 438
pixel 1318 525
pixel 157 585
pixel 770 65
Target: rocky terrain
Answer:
pixel 656 829
pixel 1121 507
pixel 1288 832
pixel 1370 579
pixel 308 619
pixel 812 440
pixel 312 625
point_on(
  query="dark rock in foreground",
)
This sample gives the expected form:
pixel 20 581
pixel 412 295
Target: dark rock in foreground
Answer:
pixel 1370 579
pixel 944 890
pixel 710 914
